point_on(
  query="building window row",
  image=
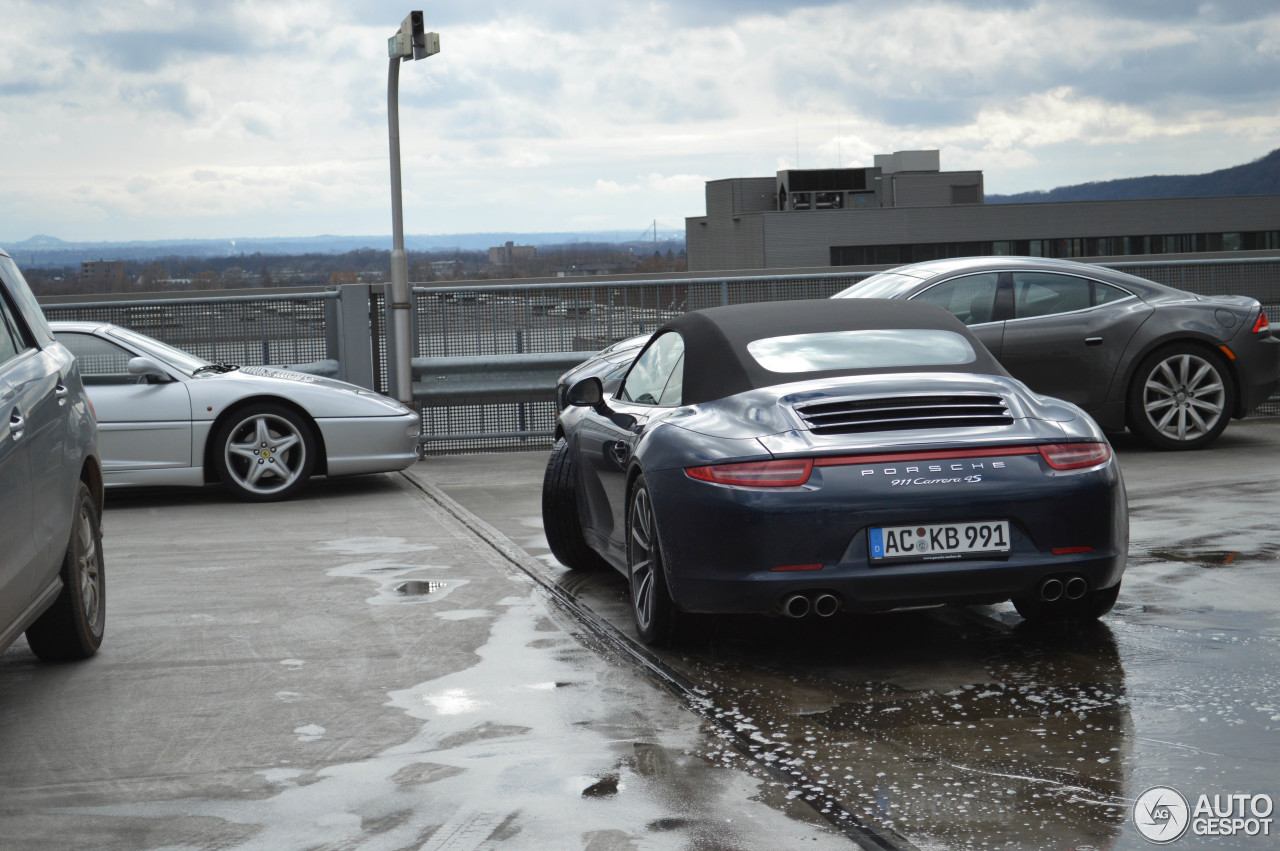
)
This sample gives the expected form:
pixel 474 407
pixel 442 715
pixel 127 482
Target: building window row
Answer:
pixel 1100 246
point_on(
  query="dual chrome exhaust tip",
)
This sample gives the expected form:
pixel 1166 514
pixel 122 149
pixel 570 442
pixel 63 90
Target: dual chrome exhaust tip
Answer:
pixel 1071 587
pixel 822 603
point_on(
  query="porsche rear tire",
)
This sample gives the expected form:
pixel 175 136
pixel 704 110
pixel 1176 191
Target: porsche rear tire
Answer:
pixel 1091 606
pixel 658 621
pixel 560 521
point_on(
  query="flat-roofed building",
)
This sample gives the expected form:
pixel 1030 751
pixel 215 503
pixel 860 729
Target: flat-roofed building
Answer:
pixel 904 209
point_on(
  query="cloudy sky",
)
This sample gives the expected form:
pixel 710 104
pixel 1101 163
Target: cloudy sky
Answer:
pixel 157 119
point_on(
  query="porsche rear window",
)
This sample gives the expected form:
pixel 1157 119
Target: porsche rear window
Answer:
pixel 886 348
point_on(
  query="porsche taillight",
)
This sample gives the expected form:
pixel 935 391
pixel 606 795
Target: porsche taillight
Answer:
pixel 1075 456
pixel 755 474
pixel 1262 326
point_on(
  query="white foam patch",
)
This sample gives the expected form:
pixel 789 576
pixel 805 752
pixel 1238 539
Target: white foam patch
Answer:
pixel 463 614
pixel 293 663
pixel 371 546
pixel 310 733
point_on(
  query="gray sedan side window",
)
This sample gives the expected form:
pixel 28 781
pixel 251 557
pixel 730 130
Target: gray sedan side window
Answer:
pixel 970 298
pixel 100 362
pixel 648 377
pixel 1045 293
pixel 1105 293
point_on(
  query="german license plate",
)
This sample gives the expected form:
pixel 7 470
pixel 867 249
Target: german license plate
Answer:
pixel 939 540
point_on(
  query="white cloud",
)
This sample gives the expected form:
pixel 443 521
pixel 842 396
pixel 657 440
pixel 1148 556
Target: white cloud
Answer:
pixel 544 116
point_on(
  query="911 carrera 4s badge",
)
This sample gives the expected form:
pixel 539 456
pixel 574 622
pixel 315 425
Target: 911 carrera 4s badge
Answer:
pixel 938 540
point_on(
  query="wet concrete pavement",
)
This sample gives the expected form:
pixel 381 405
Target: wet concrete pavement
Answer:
pixel 354 669
pixel 380 665
pixel 963 728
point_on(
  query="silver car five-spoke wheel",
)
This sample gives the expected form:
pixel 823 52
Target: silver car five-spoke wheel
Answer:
pixel 655 613
pixel 265 452
pixel 1181 398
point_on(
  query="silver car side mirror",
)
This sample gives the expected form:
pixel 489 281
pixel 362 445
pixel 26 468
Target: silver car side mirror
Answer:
pixel 146 366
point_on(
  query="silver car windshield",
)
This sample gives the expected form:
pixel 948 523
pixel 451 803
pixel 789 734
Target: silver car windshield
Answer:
pixel 872 349
pixel 176 358
pixel 882 285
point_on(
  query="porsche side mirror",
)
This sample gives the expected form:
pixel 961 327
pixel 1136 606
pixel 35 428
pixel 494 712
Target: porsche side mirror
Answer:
pixel 587 393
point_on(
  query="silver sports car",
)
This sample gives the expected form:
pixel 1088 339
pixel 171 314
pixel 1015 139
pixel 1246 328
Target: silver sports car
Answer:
pixel 166 417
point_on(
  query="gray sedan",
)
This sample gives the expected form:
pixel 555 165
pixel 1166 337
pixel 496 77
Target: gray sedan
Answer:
pixel 1172 366
pixel 166 417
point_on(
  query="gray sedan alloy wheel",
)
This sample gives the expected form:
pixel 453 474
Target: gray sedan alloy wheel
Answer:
pixel 265 452
pixel 1182 398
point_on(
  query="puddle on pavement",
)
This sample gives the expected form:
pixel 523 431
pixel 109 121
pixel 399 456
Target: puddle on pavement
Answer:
pixel 418 587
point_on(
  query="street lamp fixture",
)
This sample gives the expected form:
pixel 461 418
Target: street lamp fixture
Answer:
pixel 409 42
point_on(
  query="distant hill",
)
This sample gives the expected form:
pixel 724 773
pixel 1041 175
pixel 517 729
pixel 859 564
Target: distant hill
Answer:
pixel 49 251
pixel 1260 177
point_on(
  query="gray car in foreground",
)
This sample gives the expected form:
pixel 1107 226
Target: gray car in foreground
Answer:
pixel 1172 366
pixel 52 585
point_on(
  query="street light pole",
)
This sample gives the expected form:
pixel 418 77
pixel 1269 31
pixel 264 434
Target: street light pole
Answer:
pixel 410 42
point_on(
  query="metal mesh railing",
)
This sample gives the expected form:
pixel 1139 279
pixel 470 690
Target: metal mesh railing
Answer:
pixel 497 319
pixel 527 318
pixel 249 330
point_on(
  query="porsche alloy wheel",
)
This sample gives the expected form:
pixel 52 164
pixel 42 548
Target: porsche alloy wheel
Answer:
pixel 655 613
pixel 265 452
pixel 1181 398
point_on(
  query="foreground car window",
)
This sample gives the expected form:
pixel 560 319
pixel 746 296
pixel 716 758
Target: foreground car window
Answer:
pixel 878 349
pixel 11 341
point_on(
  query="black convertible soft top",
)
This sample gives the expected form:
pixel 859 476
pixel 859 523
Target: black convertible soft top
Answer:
pixel 717 363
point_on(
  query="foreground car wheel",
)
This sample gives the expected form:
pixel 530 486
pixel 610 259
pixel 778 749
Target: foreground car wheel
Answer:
pixel 72 628
pixel 1181 398
pixel 655 614
pixel 560 520
pixel 265 452
pixel 1091 606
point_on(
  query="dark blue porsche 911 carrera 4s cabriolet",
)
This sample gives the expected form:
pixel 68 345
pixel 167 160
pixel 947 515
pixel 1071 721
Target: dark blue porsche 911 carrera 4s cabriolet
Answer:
pixel 806 457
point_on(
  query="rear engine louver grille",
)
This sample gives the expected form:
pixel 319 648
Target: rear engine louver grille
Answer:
pixel 854 416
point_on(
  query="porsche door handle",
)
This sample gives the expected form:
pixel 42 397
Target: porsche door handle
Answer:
pixel 1093 341
pixel 620 452
pixel 61 392
pixel 16 426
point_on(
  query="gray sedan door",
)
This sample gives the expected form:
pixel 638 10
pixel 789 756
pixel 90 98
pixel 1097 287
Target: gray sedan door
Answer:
pixel 17 544
pixel 1067 335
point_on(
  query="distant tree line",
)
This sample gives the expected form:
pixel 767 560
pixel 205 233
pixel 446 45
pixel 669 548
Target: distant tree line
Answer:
pixel 370 266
